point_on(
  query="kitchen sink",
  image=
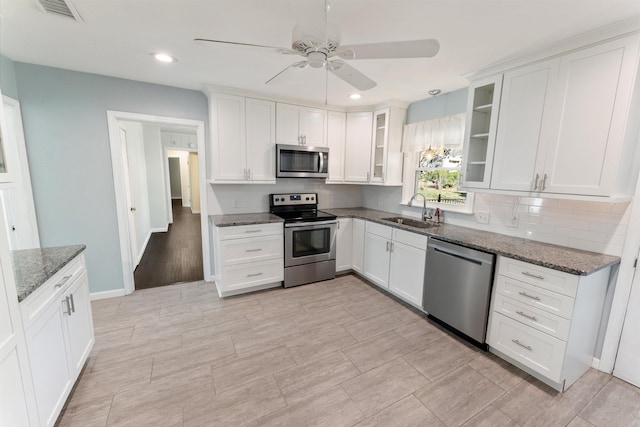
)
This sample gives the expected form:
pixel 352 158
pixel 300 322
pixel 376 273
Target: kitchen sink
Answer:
pixel 411 222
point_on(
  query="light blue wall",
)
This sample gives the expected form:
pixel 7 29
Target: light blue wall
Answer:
pixel 438 106
pixel 65 123
pixel 8 77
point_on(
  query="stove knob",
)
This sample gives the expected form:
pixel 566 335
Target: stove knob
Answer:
pixel 313 198
pixel 307 198
pixel 277 200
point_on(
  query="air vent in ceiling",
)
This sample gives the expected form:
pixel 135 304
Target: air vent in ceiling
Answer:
pixel 59 7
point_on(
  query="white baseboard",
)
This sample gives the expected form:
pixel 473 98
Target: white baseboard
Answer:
pixel 144 247
pixel 94 296
pixel 595 363
pixel 194 211
pixel 160 229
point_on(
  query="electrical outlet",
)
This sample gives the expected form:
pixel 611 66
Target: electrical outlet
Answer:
pixel 482 217
pixel 513 222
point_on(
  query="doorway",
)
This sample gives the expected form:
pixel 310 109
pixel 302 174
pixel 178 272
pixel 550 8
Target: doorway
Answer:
pixel 171 241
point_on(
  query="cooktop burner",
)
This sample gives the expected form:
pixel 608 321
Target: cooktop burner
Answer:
pixel 298 207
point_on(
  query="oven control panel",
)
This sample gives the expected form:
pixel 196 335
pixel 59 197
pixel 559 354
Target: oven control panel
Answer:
pixel 293 199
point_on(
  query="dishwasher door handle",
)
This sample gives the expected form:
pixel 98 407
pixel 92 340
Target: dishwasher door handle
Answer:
pixel 458 255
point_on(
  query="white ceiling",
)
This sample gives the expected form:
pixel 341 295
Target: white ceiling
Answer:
pixel 116 37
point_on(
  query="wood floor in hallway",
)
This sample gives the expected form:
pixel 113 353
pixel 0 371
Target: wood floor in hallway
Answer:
pixel 174 256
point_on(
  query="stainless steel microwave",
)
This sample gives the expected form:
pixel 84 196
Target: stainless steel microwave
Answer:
pixel 301 161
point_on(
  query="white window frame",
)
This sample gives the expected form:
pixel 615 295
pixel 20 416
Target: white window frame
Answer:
pixel 409 186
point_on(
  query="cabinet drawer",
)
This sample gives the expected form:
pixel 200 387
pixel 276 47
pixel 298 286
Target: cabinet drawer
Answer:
pixel 254 230
pixel 237 251
pixel 534 349
pixel 531 316
pixel 33 305
pixel 553 280
pixel 247 275
pixel 416 240
pixel 379 229
pixel 551 302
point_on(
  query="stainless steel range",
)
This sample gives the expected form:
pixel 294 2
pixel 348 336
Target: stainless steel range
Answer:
pixel 309 238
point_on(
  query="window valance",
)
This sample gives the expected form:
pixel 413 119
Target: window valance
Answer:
pixel 440 133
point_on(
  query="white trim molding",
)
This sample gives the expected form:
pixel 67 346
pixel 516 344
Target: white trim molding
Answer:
pixel 95 296
pixel 127 258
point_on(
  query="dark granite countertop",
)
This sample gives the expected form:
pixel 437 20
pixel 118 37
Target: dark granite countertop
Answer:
pixel 244 219
pixel 569 260
pixel 33 267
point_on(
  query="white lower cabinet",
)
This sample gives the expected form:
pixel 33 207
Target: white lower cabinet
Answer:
pixel 59 335
pixel 545 321
pixel 344 237
pixel 248 258
pixel 357 245
pixel 395 260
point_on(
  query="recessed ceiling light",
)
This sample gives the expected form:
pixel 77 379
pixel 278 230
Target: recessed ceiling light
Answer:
pixel 163 57
pixel 355 96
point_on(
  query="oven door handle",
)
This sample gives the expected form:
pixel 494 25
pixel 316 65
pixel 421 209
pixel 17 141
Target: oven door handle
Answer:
pixel 307 224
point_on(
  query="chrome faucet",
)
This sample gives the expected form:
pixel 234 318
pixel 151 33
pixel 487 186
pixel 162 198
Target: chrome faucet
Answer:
pixel 425 217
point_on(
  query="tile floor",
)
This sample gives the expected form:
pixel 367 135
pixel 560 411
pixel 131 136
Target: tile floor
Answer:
pixel 335 353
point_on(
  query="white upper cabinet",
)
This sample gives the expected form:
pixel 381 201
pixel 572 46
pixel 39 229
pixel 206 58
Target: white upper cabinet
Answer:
pixel 6 161
pixel 336 134
pixel 525 113
pixel 386 149
pixel 566 125
pixel 242 139
pixel 595 86
pixel 260 134
pixel 357 158
pixel 480 132
pixel 298 125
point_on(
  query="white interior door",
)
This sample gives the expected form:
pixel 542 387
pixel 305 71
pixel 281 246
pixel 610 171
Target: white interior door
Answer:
pixel 627 364
pixel 133 242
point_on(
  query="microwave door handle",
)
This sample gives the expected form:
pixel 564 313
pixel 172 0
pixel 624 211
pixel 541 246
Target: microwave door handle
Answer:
pixel 321 162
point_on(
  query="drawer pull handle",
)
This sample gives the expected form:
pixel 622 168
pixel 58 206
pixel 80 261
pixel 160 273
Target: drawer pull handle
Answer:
pixel 528 347
pixel 64 280
pixel 535 276
pixel 254 275
pixel 524 294
pixel 253 250
pixel 253 231
pixel 522 313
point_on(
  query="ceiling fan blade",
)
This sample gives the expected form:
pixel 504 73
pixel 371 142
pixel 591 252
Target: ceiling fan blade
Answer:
pixel 205 42
pixel 407 49
pixel 350 75
pixel 287 72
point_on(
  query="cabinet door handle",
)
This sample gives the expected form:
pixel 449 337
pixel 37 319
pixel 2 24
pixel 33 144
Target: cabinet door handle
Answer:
pixel 535 182
pixel 368 176
pixel 523 314
pixel 254 275
pixel 524 294
pixel 544 182
pixel 73 304
pixel 253 250
pixel 387 247
pixel 535 276
pixel 68 312
pixel 528 347
pixel 64 280
pixel 391 247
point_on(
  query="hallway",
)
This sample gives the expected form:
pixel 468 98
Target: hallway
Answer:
pixel 174 256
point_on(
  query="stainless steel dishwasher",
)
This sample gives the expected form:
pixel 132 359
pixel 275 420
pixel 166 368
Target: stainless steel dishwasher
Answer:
pixel 457 288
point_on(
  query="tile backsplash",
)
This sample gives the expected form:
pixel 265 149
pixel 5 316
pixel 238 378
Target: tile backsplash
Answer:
pixel 592 226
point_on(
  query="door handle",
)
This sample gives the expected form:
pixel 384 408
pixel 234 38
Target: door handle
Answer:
pixel 73 304
pixel 133 209
pixel 66 300
pixel 544 182
pixel 535 182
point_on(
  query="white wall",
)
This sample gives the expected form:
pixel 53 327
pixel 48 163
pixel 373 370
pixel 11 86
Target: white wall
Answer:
pixel 138 183
pixel 156 183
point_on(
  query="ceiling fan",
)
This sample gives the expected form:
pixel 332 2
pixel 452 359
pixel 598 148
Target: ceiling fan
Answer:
pixel 326 52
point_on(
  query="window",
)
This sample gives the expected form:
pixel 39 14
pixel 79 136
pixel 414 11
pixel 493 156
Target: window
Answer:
pixel 434 147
